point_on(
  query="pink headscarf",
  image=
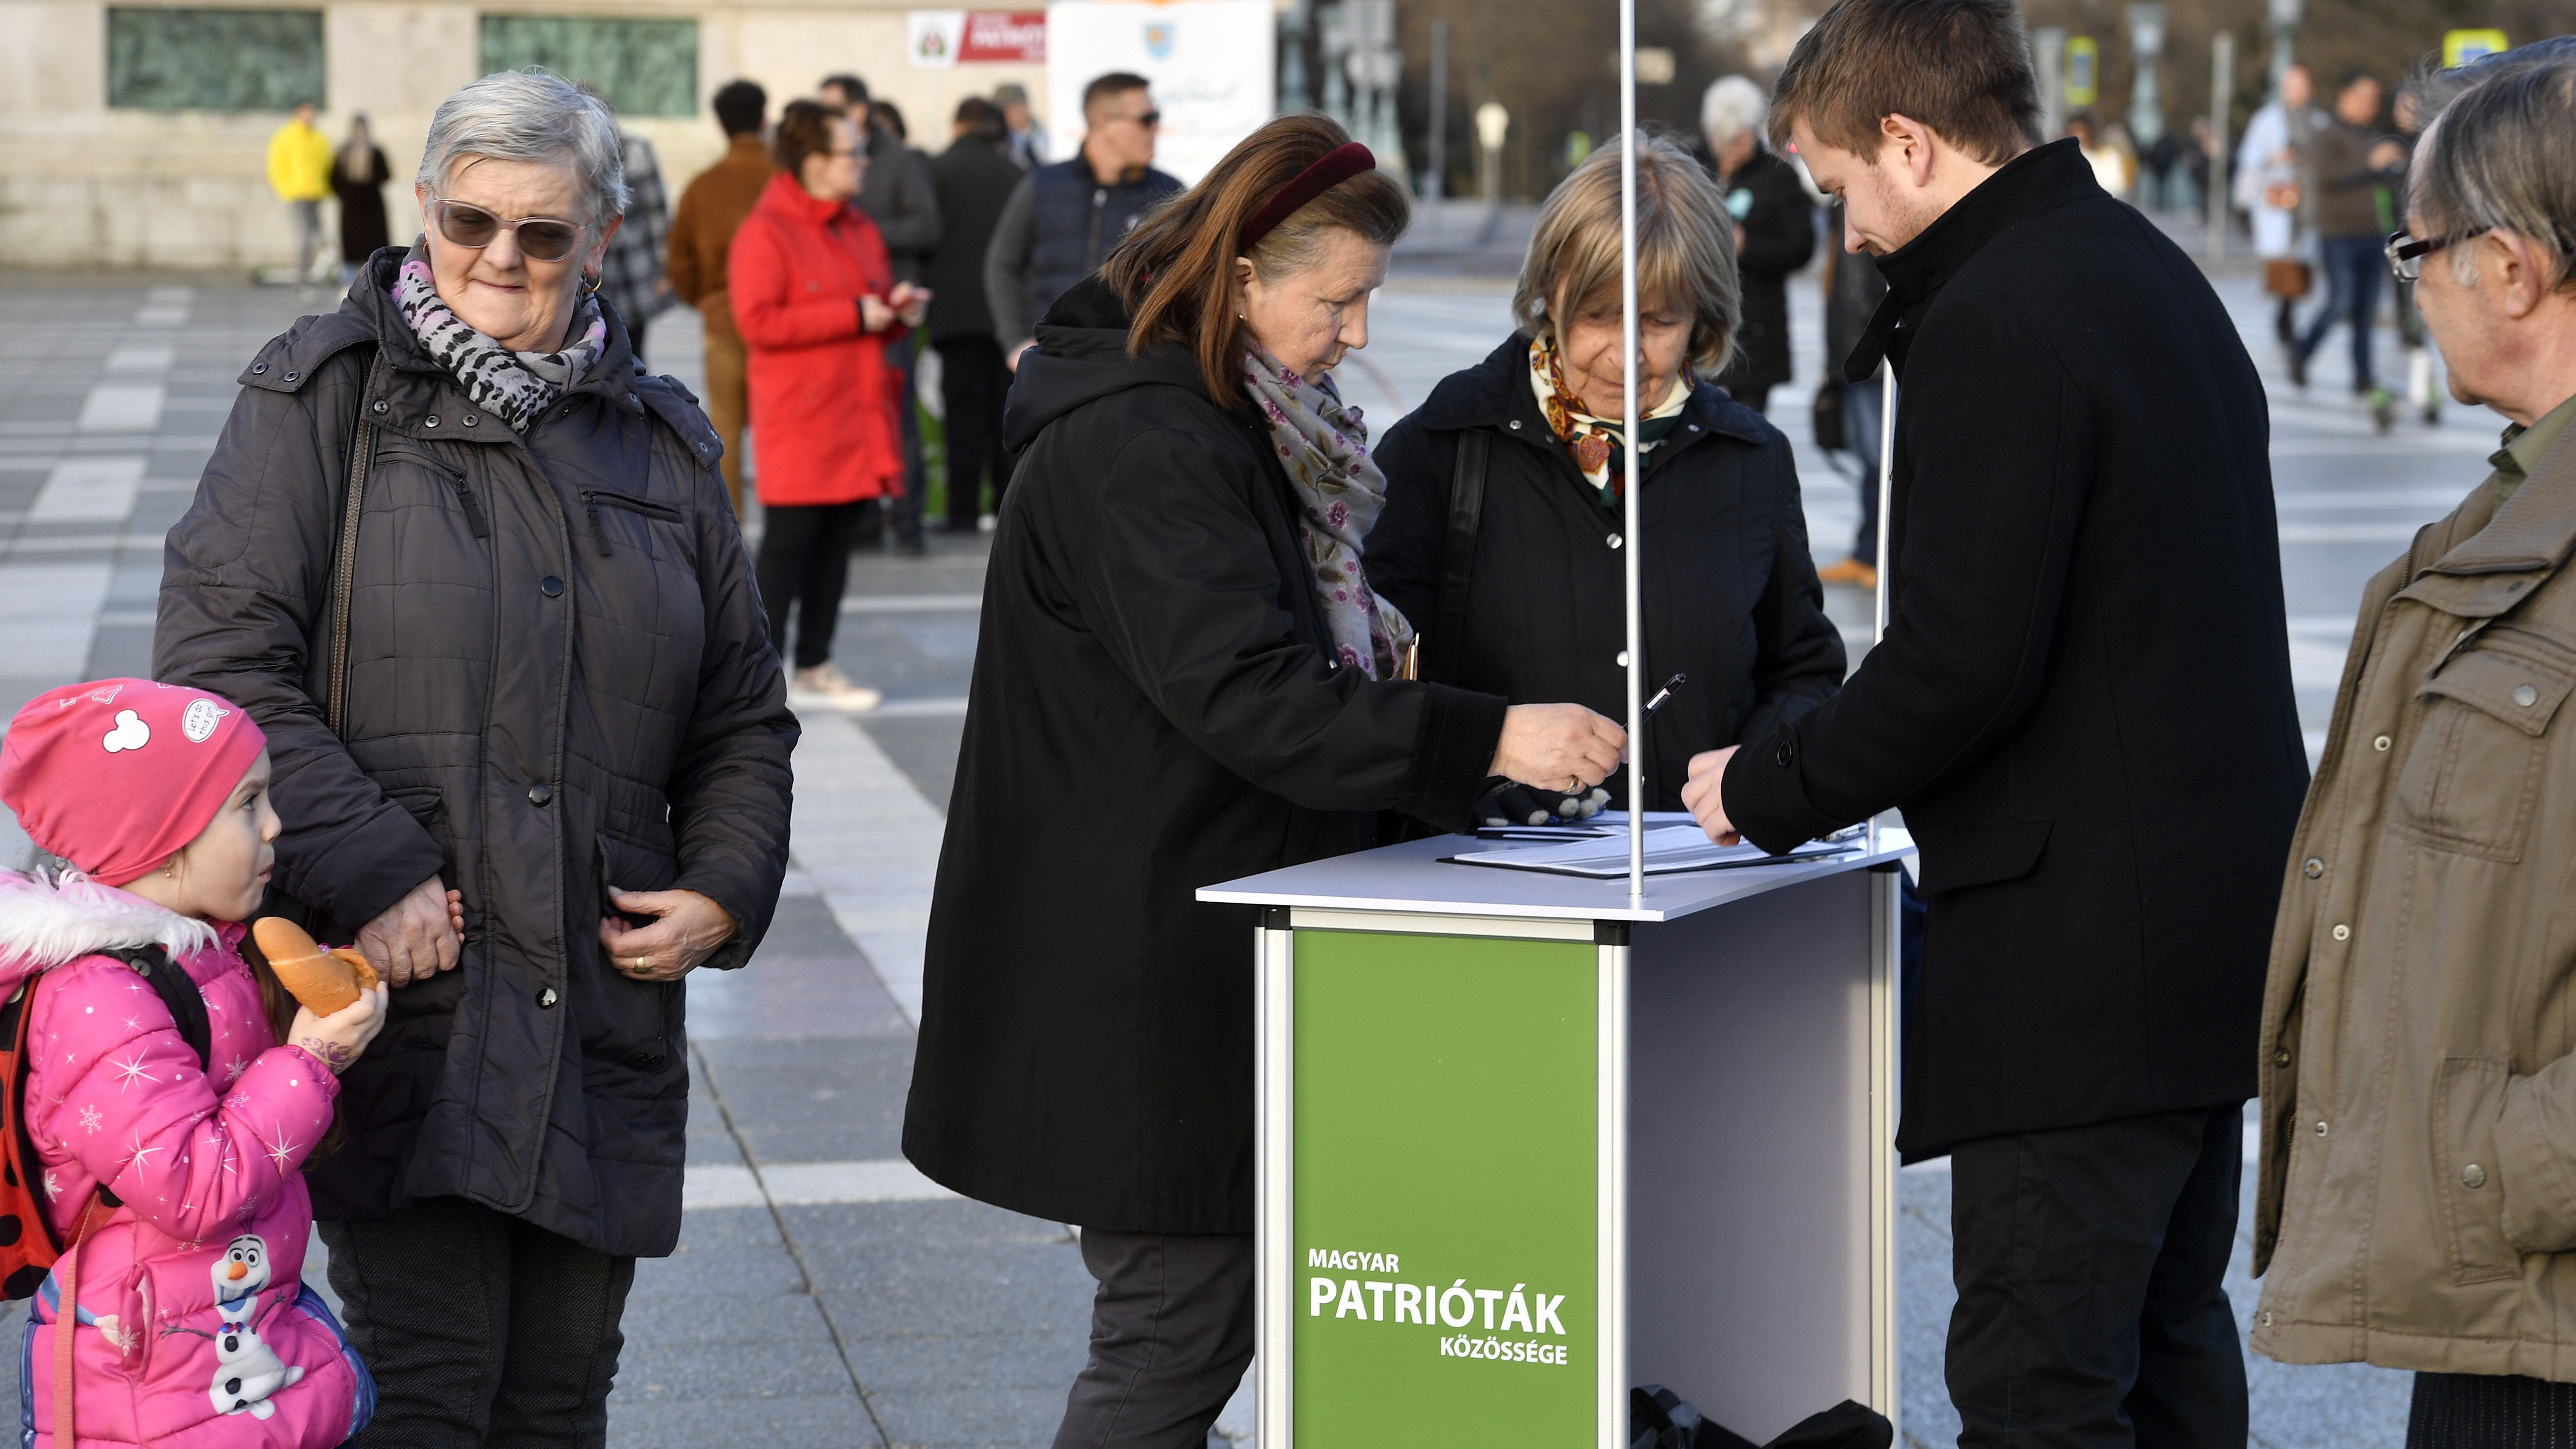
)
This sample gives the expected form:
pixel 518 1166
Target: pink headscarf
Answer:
pixel 117 775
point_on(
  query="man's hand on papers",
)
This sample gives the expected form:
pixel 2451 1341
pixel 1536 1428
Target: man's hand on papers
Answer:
pixel 1706 800
pixel 1557 747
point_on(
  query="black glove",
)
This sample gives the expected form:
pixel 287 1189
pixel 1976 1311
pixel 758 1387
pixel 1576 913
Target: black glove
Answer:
pixel 1509 802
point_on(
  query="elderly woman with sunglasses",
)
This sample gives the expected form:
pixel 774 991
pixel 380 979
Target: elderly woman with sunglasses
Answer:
pixel 479 580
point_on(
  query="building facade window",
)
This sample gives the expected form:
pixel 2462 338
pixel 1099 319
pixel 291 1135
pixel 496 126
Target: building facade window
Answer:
pixel 213 60
pixel 642 67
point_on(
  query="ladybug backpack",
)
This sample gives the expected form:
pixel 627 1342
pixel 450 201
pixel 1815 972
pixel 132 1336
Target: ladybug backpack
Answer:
pixel 29 1246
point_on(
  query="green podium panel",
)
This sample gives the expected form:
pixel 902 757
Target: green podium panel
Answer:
pixel 1446 1111
pixel 1526 1142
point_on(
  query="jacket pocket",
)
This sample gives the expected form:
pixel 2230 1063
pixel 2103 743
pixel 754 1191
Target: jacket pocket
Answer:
pixel 2473 771
pixel 602 503
pixel 2467 1097
pixel 1981 855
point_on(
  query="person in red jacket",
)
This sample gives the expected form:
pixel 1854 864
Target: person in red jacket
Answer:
pixel 816 301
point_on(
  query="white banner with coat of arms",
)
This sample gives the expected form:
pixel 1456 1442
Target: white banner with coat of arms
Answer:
pixel 1213 64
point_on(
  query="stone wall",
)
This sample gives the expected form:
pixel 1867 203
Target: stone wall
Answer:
pixel 84 184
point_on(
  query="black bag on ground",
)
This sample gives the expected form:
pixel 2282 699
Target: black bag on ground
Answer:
pixel 1658 1418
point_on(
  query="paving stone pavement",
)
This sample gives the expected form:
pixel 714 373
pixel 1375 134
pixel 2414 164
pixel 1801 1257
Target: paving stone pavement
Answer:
pixel 824 1293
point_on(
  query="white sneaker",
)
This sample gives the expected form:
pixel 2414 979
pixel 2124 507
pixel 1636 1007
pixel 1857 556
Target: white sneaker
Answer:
pixel 825 687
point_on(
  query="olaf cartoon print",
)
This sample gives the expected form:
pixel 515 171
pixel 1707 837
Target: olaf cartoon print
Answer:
pixel 247 1370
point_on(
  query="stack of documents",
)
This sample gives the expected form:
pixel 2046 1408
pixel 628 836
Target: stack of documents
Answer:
pixel 1670 849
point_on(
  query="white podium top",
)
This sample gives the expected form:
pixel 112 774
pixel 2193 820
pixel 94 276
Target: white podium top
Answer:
pixel 1412 878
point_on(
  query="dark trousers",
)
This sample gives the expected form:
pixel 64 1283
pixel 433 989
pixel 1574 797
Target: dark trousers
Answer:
pixel 2089 1262
pixel 1861 416
pixel 1171 1333
pixel 481 1330
pixel 2354 265
pixel 904 511
pixel 1756 397
pixel 2491 1411
pixel 972 384
pixel 804 562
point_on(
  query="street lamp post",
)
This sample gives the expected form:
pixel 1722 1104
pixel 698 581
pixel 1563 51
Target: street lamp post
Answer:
pixel 1493 123
pixel 2284 15
pixel 2146 108
pixel 2048 62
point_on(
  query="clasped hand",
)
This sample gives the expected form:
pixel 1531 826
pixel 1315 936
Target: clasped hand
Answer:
pixel 687 929
pixel 1705 797
pixel 1561 747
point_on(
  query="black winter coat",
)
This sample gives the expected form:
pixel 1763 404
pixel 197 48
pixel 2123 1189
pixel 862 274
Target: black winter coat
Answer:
pixel 1779 220
pixel 2083 700
pixel 1730 592
pixel 559 680
pixel 973 180
pixel 1155 708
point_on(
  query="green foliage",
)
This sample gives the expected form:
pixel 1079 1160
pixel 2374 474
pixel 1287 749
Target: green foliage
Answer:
pixel 213 60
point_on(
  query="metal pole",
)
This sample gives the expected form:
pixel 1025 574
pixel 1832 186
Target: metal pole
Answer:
pixel 1436 185
pixel 1886 522
pixel 2222 89
pixel 1636 652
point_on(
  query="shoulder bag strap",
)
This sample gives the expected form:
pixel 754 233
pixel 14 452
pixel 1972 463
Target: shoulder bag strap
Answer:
pixel 1458 550
pixel 344 552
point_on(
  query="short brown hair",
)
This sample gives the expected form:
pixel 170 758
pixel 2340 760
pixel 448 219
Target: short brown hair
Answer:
pixel 1102 87
pixel 804 129
pixel 1175 271
pixel 1961 67
pixel 1685 249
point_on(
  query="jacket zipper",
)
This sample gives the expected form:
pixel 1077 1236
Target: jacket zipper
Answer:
pixel 474 518
pixel 594 499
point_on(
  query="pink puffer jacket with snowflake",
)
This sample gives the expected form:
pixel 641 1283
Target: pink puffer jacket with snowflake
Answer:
pixel 195 1329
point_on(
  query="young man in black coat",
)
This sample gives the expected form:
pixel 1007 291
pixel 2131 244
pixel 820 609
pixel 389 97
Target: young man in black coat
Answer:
pixel 2083 706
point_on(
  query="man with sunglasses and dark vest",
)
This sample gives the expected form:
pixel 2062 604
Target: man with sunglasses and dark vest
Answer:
pixel 1065 219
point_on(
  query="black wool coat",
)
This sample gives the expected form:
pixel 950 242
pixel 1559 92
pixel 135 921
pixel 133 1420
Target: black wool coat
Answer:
pixel 2083 701
pixel 1779 220
pixel 1731 598
pixel 559 680
pixel 973 180
pixel 1155 708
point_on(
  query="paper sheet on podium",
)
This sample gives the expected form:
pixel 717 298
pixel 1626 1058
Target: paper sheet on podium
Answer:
pixel 1670 849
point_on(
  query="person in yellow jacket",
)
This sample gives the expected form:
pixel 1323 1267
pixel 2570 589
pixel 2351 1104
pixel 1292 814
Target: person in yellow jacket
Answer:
pixel 299 170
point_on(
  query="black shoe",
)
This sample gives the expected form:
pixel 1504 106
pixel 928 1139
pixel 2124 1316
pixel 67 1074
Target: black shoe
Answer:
pixel 2298 369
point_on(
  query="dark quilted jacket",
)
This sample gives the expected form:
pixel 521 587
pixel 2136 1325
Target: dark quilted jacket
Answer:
pixel 558 680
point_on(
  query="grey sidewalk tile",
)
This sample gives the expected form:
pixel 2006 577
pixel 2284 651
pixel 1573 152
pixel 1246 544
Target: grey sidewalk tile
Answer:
pixel 967 1361
pixel 970 1418
pixel 679 1369
pixel 948 1297
pixel 747 1270
pixel 820 1421
pixel 708 1316
pixel 816 1099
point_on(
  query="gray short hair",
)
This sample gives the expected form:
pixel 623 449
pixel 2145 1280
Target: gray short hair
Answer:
pixel 529 115
pixel 2502 156
pixel 1732 106
pixel 1685 250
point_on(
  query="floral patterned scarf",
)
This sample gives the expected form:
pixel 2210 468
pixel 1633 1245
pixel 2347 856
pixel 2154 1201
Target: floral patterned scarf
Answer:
pixel 1597 447
pixel 512 386
pixel 1324 447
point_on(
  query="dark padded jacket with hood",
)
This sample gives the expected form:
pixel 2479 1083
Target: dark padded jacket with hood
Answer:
pixel 558 680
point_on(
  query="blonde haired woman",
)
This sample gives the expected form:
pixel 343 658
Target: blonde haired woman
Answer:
pixel 1522 454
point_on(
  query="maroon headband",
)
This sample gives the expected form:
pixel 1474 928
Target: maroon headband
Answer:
pixel 1335 167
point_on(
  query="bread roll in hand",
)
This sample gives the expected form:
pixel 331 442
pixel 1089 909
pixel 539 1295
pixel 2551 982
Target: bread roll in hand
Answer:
pixel 326 981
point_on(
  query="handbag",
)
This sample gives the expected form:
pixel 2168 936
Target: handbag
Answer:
pixel 2285 278
pixel 1828 415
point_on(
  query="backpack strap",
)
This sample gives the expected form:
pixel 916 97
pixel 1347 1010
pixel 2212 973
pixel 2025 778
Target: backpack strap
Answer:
pixel 1458 550
pixel 177 992
pixel 344 548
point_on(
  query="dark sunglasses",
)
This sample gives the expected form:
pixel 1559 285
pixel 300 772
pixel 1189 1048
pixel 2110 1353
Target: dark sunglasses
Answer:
pixel 541 238
pixel 2406 255
pixel 1149 120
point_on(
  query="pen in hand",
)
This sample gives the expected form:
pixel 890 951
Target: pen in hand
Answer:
pixel 1664 693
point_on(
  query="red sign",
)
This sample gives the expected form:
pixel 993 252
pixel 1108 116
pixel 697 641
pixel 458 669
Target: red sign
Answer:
pixel 1004 35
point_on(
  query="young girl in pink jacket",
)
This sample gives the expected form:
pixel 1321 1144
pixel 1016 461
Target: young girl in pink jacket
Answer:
pixel 180 1176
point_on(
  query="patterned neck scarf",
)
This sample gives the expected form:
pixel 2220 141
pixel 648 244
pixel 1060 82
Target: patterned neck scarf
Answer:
pixel 1324 447
pixel 512 386
pixel 1598 450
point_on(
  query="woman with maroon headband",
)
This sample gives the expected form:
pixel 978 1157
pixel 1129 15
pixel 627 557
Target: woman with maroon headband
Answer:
pixel 1183 678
